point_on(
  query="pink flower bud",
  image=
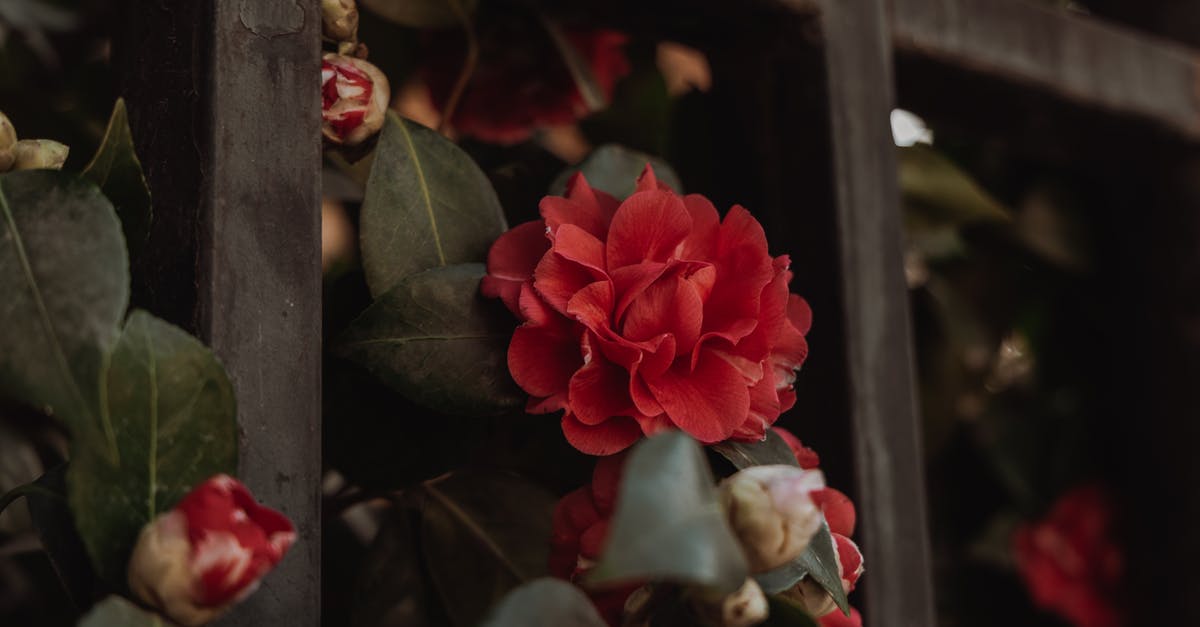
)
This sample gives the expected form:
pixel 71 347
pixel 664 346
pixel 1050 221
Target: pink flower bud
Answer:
pixel 39 154
pixel 339 20
pixel 195 561
pixel 354 99
pixel 772 512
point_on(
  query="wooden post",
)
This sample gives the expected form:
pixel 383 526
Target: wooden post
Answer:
pixel 224 103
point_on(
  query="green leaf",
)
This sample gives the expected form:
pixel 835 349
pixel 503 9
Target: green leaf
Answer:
pixel 483 534
pixel 172 413
pixel 772 450
pixel 115 611
pixel 615 169
pixel 938 193
pixel 668 524
pixel 64 277
pixel 118 172
pixel 784 613
pixel 56 528
pixel 427 205
pixel 545 602
pixel 818 561
pixel 436 340
pixel 421 13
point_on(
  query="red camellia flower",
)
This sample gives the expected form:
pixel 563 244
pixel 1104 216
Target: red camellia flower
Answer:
pixel 521 83
pixel 838 619
pixel 354 99
pixel 1069 561
pixel 195 561
pixel 649 314
pixel 580 529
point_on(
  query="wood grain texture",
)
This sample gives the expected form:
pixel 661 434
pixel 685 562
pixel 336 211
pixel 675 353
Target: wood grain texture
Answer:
pixel 260 272
pixel 1074 57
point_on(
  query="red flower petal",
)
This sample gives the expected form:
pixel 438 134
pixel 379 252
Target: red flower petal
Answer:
pixel 612 436
pixel 557 279
pixel 800 314
pixel 701 243
pixel 630 281
pixel 838 619
pixel 839 510
pixel 583 207
pixel 599 391
pixel 591 543
pixel 806 457
pixel 576 244
pixel 764 410
pixel 670 305
pixel 542 359
pixel 850 561
pixel 647 227
pixel 606 478
pixel 708 402
pixel 592 306
pixel 512 259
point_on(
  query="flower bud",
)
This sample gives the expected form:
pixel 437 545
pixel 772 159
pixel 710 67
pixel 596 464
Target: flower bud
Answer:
pixel 745 607
pixel 772 512
pixel 339 20
pixel 8 139
pixel 354 100
pixel 197 560
pixel 815 599
pixel 39 154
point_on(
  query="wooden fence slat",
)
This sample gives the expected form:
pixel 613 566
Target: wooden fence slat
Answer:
pixel 878 332
pixel 261 272
pixel 1074 57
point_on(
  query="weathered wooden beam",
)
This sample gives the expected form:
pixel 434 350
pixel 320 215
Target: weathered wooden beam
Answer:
pixel 260 271
pixel 1069 56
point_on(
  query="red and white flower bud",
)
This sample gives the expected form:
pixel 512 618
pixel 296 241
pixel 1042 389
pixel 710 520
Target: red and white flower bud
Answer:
pixel 39 154
pixel 744 608
pixel 354 99
pixel 195 561
pixel 339 20
pixel 815 599
pixel 772 511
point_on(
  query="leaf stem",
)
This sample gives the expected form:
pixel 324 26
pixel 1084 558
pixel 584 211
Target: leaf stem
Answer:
pixel 468 67
pixel 8 498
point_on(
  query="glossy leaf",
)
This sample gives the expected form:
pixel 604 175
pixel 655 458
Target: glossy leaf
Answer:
pixel 56 528
pixel 772 450
pixel 615 169
pixel 115 611
pixel 434 339
pixel 422 13
pixel 818 561
pixel 668 524
pixel 118 172
pixel 427 205
pixel 483 534
pixel 64 277
pixel 545 602
pixel 171 424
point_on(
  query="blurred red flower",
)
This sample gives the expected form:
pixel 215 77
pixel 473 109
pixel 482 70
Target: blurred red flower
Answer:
pixel 521 82
pixel 1069 561
pixel 838 619
pixel 649 314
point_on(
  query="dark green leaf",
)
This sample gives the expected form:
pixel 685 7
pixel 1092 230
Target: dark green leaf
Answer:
pixel 64 277
pixel 437 341
pixel 483 534
pixel 668 524
pixel 427 205
pixel 615 169
pixel 939 193
pixel 393 589
pixel 118 172
pixel 818 561
pixel 590 91
pixel 545 603
pixel 118 612
pixel 772 450
pixel 19 465
pixel 422 13
pixel 56 528
pixel 170 409
pixel 784 613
